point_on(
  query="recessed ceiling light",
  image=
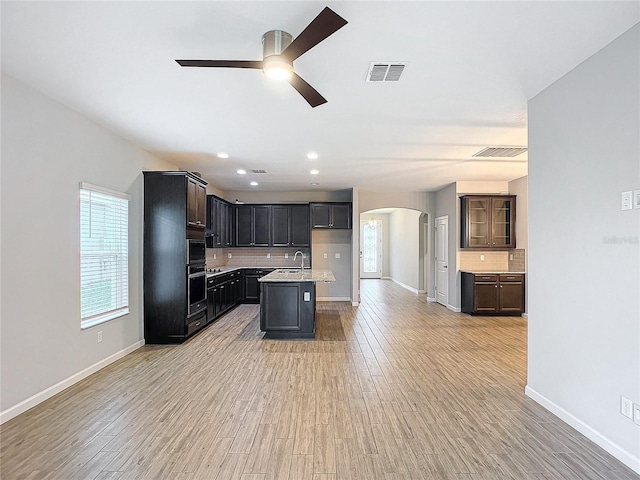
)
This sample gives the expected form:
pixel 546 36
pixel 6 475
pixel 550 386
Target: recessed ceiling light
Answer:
pixel 223 155
pixel 314 172
pixel 241 172
pixel 254 184
pixel 314 184
pixel 312 155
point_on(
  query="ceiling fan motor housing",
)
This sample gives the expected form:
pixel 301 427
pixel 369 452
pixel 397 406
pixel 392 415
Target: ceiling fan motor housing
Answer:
pixel 274 42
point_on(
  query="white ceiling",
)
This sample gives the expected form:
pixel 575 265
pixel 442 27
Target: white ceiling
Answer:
pixel 472 66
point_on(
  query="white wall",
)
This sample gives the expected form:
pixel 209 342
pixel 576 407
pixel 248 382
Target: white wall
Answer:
pixel 519 187
pixel 47 150
pixel 421 201
pixel 584 255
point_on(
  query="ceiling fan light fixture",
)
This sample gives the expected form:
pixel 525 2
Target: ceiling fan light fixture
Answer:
pixel 277 68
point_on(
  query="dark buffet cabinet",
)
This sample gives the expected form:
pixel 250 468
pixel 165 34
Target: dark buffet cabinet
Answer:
pixel 336 215
pixel 493 293
pixel 488 221
pixel 173 214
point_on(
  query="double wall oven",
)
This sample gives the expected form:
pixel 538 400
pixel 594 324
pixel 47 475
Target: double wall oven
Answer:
pixel 196 277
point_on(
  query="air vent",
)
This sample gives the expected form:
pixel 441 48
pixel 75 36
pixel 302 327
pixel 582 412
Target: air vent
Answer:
pixel 385 71
pixel 258 171
pixel 500 152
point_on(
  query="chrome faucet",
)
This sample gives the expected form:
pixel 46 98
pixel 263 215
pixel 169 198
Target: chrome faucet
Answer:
pixel 301 258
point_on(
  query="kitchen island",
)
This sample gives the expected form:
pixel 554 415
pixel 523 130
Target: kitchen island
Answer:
pixel 288 302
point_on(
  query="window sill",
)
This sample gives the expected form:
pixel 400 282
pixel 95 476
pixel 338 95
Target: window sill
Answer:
pixel 92 322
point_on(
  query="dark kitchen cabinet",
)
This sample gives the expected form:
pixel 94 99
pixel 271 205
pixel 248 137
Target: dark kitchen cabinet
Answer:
pixel 168 208
pixel 251 285
pixel 493 293
pixel 488 222
pixel 196 203
pixel 252 225
pixel 287 309
pixel 224 292
pixel 290 226
pixel 219 223
pixel 331 215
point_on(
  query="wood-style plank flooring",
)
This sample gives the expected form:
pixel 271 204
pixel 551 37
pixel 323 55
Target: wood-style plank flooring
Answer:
pixel 393 389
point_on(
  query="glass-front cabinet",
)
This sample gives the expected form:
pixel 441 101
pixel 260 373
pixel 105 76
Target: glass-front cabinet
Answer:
pixel 488 221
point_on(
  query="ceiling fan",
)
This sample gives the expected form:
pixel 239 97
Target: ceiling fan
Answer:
pixel 279 50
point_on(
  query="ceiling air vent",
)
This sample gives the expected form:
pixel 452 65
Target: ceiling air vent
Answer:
pixel 258 171
pixel 385 71
pixel 500 152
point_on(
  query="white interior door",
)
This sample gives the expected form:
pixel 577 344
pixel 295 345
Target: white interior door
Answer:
pixel 442 259
pixel 371 249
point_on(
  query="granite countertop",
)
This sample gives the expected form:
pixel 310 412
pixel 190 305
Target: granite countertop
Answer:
pixel 224 270
pixel 295 275
pixel 475 272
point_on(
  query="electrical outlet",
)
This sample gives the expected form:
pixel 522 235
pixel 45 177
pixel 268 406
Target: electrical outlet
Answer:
pixel 626 200
pixel 99 336
pixel 337 255
pixel 286 255
pixel 268 255
pixel 229 255
pixel 636 414
pixel 636 199
pixel 482 258
pixel 325 255
pixel 215 256
pixel 511 256
pixel 626 407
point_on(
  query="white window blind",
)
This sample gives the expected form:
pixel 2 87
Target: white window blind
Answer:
pixel 104 252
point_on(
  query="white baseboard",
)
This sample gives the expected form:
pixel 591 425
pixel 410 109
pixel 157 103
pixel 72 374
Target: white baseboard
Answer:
pixel 385 278
pixel 596 437
pixel 333 299
pixel 404 285
pixel 40 397
pixel 430 299
pixel 354 304
pixel 525 315
pixel 454 309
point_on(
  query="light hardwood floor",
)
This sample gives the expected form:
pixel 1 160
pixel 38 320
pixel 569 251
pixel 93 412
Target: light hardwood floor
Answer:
pixel 393 389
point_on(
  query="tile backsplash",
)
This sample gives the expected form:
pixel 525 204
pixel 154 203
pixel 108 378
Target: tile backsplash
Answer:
pixel 256 257
pixel 493 261
pixel 518 264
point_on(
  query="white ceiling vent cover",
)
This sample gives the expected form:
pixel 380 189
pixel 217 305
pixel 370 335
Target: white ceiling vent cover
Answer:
pixel 500 152
pixel 258 171
pixel 385 71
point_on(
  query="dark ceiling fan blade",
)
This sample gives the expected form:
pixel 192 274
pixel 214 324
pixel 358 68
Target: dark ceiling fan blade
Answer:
pixel 221 63
pixel 309 93
pixel 325 24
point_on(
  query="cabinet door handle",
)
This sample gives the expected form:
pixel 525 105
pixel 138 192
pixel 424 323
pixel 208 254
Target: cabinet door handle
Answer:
pixel 496 286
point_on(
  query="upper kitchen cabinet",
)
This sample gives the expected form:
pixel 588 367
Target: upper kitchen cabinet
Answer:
pixel 219 223
pixel 290 226
pixel 488 221
pixel 196 203
pixel 252 225
pixel 331 215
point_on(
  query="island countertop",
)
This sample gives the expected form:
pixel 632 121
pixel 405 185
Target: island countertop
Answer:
pixel 296 275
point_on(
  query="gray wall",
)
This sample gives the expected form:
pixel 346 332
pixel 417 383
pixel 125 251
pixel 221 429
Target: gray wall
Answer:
pixel 519 187
pixel 584 256
pixel 404 234
pixel 447 204
pixel 47 150
pixel 333 242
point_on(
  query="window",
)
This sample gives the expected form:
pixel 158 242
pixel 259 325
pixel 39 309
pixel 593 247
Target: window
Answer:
pixel 104 248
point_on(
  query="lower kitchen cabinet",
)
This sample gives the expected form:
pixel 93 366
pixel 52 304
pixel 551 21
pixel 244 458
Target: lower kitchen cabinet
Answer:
pixel 223 293
pixel 251 286
pixel 493 293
